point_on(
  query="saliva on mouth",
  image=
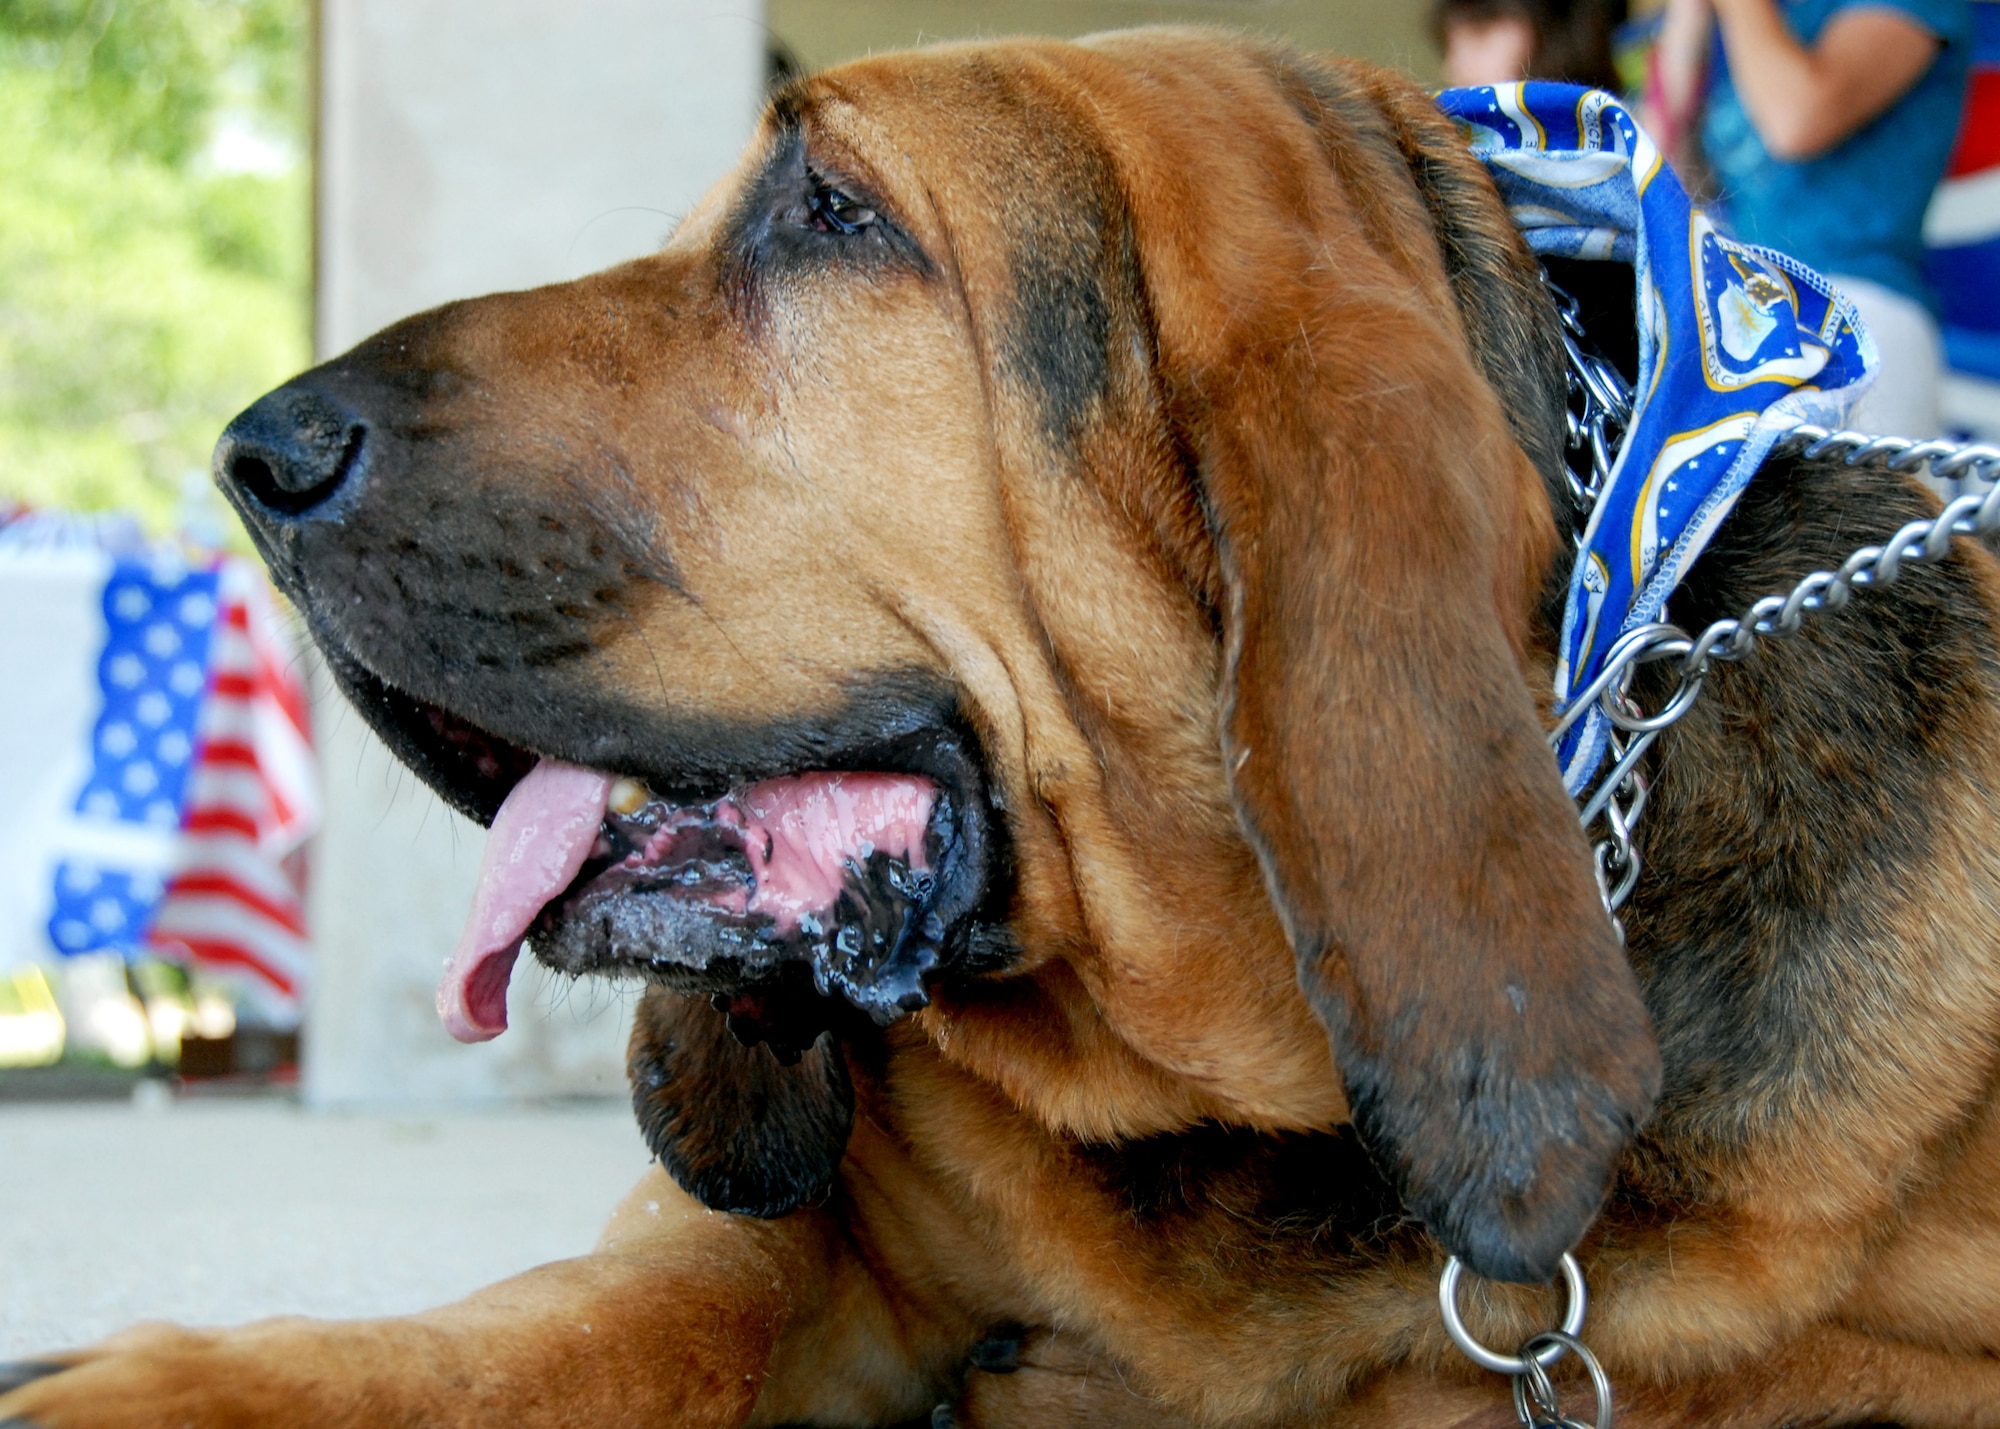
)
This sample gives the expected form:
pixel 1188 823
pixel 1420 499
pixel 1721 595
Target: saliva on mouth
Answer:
pixel 702 899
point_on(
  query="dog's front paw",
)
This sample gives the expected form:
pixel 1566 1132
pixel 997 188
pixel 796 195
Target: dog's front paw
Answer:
pixel 15 1373
pixel 159 1376
pixel 150 1375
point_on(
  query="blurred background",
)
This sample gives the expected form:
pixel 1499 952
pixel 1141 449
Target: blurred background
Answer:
pixel 216 889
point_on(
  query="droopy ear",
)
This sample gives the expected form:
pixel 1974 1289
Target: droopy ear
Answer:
pixel 1382 536
pixel 736 1128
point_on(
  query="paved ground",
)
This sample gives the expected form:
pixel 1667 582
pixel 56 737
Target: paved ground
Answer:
pixel 220 1212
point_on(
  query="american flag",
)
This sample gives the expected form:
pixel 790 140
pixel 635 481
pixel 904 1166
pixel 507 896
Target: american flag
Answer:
pixel 235 901
pixel 1963 234
pixel 162 779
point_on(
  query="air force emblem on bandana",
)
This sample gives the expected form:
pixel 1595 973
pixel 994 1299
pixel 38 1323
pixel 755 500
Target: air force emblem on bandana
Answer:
pixel 1737 345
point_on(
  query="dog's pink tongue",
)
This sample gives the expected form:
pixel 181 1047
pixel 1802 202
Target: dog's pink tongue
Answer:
pixel 539 840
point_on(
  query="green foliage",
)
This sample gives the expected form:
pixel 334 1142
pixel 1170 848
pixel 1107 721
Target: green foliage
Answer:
pixel 145 297
pixel 153 72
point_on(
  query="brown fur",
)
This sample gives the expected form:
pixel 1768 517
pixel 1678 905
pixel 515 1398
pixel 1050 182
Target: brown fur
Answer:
pixel 1192 432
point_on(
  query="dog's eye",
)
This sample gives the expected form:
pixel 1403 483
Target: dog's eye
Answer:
pixel 831 211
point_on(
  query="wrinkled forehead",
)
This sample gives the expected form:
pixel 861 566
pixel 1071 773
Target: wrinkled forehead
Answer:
pixel 973 125
pixel 946 96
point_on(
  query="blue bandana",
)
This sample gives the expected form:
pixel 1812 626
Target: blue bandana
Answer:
pixel 1737 345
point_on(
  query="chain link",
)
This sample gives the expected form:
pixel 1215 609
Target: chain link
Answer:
pixel 1596 416
pixel 1619 794
pixel 1536 1403
pixel 1599 410
pixel 1597 413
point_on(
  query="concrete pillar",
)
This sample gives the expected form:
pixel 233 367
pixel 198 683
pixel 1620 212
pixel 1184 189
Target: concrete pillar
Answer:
pixel 467 146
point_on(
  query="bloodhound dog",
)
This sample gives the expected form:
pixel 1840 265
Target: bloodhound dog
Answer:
pixel 1026 626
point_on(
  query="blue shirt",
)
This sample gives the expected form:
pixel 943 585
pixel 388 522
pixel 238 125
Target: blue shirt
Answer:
pixel 1859 207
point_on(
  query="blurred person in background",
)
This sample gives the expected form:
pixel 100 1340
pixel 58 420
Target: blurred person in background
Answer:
pixel 1499 41
pixel 1824 125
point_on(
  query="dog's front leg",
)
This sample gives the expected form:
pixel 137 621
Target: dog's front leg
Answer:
pixel 669 1322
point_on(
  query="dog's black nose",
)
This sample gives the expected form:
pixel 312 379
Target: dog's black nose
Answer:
pixel 289 453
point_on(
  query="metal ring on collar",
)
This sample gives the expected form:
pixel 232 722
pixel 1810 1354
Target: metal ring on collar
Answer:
pixel 1572 1321
pixel 1535 1398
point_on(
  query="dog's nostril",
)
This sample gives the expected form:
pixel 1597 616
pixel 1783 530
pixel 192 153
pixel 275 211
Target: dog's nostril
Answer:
pixel 254 474
pixel 290 452
pixel 285 482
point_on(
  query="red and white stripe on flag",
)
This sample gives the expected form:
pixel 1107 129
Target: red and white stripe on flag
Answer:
pixel 235 904
pixel 1962 231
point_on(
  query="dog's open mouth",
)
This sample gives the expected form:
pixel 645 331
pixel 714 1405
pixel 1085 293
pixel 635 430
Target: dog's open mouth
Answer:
pixel 832 870
pixel 784 894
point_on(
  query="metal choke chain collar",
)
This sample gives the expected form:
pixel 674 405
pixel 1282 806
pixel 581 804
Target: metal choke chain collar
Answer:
pixel 1598 411
pixel 1600 406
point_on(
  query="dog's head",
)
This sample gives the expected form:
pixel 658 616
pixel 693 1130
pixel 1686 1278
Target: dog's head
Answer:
pixel 1052 546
